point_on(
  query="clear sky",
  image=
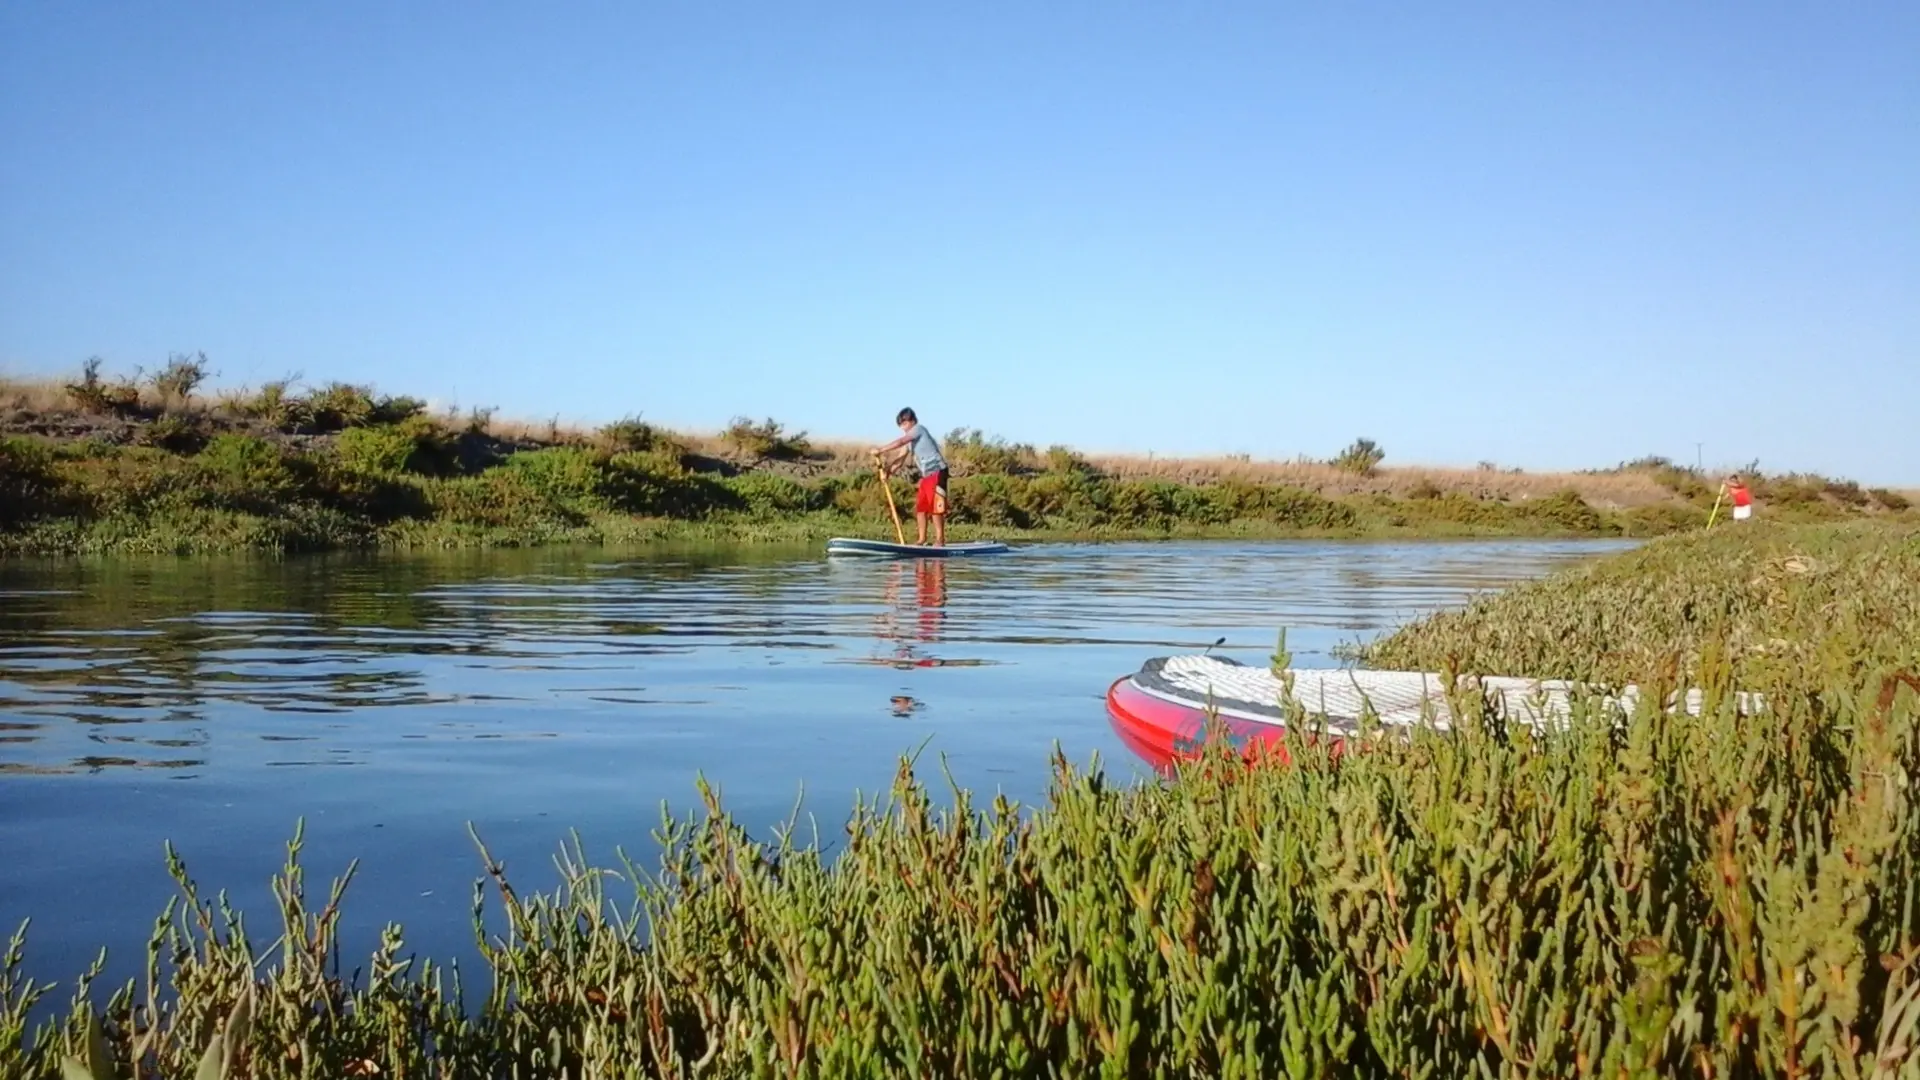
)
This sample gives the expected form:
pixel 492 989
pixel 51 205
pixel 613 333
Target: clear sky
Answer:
pixel 1543 234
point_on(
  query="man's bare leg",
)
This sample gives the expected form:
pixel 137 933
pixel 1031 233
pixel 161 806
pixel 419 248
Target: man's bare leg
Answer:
pixel 921 521
pixel 939 530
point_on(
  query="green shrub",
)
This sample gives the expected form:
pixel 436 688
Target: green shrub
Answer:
pixel 94 395
pixel 768 495
pixel 1459 509
pixel 860 495
pixel 505 498
pixel 566 474
pixel 388 409
pixel 339 405
pixel 1846 492
pixel 636 435
pixel 1239 500
pixel 277 405
pixel 1890 500
pixel 1063 500
pixel 656 484
pixel 1142 505
pixel 767 441
pixel 971 453
pixel 179 434
pixel 1566 511
pixel 1425 488
pixel 109 482
pixel 379 496
pixel 28 485
pixel 1788 492
pixel 1661 519
pixel 1303 509
pixel 1207 505
pixel 183 374
pixel 1061 459
pixel 248 468
pixel 987 499
pixel 1682 481
pixel 1361 456
pixel 415 445
pixel 383 449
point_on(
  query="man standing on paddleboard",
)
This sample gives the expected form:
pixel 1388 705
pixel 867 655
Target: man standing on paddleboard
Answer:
pixel 931 501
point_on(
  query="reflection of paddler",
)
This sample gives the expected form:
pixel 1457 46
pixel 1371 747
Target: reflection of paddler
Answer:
pixel 930 593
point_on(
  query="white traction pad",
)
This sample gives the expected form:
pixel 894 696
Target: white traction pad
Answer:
pixel 1398 698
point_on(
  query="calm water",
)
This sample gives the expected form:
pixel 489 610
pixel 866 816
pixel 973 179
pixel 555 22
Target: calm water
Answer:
pixel 390 701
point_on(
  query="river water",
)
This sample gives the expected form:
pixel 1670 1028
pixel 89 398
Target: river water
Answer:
pixel 392 700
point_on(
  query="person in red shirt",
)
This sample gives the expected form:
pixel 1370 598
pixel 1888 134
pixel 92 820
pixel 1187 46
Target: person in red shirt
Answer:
pixel 1741 498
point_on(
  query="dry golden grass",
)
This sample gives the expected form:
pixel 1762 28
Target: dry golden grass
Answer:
pixel 1618 490
pixel 548 431
pixel 50 396
pixel 33 395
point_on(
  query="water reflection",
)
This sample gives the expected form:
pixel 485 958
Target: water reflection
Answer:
pixel 392 700
pixel 150 665
pixel 912 619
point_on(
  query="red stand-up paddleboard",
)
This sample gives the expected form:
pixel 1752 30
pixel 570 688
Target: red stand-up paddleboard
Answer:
pixel 1162 711
pixel 1165 719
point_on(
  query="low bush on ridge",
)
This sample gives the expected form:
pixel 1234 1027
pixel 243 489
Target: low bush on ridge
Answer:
pixel 768 440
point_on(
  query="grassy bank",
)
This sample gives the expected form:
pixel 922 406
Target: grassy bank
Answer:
pixel 1751 603
pixel 1709 896
pixel 126 466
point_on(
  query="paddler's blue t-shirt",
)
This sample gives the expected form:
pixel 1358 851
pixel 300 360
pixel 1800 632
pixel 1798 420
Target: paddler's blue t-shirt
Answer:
pixel 925 450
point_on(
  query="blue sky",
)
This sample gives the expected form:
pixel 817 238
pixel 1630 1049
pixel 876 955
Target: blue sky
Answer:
pixel 1547 235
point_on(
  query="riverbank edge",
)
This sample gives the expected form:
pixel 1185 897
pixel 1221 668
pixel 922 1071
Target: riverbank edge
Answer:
pixel 53 541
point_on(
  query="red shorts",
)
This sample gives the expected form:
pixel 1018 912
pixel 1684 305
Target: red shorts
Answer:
pixel 932 497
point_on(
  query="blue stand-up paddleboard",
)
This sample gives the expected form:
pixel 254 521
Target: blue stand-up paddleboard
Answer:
pixel 845 545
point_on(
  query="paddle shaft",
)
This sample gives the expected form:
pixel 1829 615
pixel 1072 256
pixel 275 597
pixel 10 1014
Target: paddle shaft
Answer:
pixel 886 485
pixel 1716 506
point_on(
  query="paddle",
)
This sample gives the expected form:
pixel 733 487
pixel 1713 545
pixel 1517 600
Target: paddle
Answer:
pixel 898 533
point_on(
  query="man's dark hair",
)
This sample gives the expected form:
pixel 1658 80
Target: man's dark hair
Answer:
pixel 904 416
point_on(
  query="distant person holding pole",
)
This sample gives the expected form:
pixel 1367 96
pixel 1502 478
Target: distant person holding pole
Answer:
pixel 1732 490
pixel 1741 498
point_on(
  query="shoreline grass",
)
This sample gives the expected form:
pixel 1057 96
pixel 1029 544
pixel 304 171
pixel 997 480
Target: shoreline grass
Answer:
pixel 1715 895
pixel 1746 599
pixel 142 465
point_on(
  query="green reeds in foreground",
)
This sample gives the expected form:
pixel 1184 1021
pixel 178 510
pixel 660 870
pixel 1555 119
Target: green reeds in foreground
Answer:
pixel 1711 896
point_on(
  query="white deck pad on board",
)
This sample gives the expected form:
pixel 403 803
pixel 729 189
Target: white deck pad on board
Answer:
pixel 845 545
pixel 1400 698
